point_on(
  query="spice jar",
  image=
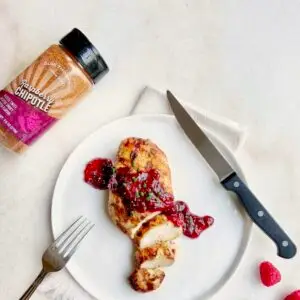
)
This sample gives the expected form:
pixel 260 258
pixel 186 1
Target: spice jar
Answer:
pixel 45 91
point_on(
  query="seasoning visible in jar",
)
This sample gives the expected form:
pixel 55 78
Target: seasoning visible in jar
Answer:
pixel 45 91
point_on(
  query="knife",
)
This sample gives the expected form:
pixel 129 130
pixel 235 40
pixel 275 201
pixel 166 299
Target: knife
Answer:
pixel 231 181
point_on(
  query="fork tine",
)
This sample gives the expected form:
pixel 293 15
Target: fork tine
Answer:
pixel 61 239
pixel 73 236
pixel 73 245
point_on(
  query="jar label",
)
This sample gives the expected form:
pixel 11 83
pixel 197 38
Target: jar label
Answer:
pixel 24 121
pixel 43 93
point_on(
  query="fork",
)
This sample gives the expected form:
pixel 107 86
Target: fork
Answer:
pixel 60 251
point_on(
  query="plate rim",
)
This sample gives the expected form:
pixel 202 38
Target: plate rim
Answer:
pixel 247 226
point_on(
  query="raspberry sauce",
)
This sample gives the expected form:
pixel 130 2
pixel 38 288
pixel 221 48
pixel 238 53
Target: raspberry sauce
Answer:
pixel 98 172
pixel 142 192
pixel 180 215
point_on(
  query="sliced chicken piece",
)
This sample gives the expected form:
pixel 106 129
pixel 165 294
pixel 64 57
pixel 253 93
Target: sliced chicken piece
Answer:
pixel 137 154
pixel 146 280
pixel 157 256
pixel 158 229
pixel 128 222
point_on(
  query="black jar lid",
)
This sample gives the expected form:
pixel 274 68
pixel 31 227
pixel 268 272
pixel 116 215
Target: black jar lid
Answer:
pixel 86 54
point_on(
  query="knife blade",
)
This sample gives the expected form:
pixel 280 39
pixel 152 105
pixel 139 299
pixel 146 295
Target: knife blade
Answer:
pixel 231 181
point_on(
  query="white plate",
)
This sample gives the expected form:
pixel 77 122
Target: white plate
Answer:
pixel 104 260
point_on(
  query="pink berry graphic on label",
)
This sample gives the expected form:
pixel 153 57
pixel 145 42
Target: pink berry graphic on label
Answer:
pixel 33 122
pixel 29 123
pixel 21 121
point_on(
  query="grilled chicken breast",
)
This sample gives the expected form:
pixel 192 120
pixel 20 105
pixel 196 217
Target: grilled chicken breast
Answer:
pixel 146 280
pixel 137 154
pixel 156 256
pixel 152 232
pixel 159 228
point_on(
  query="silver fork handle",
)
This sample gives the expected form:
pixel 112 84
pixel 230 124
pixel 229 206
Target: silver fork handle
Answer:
pixel 27 295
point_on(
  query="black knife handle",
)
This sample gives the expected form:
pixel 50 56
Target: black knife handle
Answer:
pixel 260 216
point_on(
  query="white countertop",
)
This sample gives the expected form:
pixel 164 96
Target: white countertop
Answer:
pixel 236 58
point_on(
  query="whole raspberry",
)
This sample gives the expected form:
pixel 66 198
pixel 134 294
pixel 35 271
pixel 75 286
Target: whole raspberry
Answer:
pixel 269 274
pixel 293 296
